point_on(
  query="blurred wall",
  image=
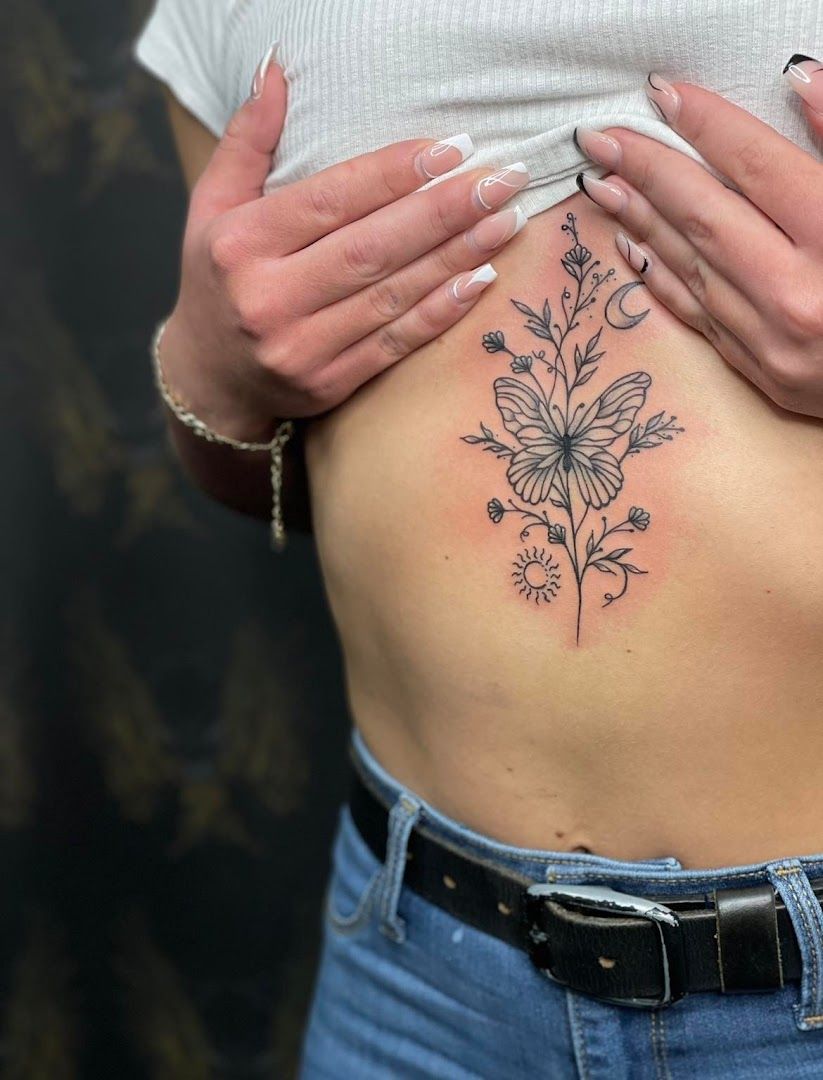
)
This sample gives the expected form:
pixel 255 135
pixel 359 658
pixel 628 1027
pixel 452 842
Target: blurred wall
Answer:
pixel 172 721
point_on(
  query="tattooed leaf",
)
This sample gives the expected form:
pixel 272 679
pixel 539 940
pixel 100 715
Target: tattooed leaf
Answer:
pixel 586 377
pixel 547 313
pixel 654 432
pixel 617 554
pixel 542 332
pixel 559 503
pixel 590 543
pixel 525 309
pixel 472 439
pixel 487 431
pixel 604 568
pixel 633 569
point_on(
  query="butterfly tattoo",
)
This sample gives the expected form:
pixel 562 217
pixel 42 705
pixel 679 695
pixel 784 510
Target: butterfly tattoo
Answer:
pixel 570 450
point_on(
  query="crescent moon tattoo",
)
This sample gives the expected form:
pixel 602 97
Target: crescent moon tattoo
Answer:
pixel 616 316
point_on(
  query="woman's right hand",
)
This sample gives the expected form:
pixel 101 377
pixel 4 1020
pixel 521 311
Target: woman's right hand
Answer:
pixel 290 301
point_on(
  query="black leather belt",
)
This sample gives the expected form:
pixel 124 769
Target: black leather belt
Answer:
pixel 630 950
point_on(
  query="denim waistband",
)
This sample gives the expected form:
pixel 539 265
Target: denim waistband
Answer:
pixel 791 876
pixel 665 874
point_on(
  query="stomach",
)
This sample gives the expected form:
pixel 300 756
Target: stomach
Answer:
pixel 575 565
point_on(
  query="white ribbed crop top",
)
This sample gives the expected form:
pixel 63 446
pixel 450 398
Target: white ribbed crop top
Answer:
pixel 517 75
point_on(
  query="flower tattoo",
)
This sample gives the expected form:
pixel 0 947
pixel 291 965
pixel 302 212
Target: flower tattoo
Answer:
pixel 569 449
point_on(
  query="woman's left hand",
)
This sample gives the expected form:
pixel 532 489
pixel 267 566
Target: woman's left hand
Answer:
pixel 745 270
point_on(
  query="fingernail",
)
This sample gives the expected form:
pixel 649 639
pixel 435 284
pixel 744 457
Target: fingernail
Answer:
pixel 599 147
pixel 444 155
pixel 803 74
pixel 468 285
pixel 664 98
pixel 635 256
pixel 495 189
pixel 609 196
pixel 259 81
pixel 493 231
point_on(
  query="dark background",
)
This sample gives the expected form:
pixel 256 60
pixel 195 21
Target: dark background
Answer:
pixel 172 719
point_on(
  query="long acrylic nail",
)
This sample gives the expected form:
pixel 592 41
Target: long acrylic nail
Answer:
pixel 468 285
pixel 444 155
pixel 492 190
pixel 664 99
pixel 635 256
pixel 259 81
pixel 493 231
pixel 609 196
pixel 599 147
pixel 804 75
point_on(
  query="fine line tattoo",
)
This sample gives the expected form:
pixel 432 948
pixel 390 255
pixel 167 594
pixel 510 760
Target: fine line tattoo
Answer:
pixel 569 450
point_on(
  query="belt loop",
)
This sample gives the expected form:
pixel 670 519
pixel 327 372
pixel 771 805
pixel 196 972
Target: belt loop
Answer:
pixel 402 818
pixel 791 882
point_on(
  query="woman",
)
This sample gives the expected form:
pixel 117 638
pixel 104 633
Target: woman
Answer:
pixel 571 554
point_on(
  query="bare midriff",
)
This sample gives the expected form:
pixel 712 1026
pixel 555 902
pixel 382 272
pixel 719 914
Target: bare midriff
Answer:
pixel 687 720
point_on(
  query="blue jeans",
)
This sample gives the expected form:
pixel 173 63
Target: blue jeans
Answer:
pixel 406 990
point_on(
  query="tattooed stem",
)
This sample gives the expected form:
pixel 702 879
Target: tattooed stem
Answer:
pixel 572 550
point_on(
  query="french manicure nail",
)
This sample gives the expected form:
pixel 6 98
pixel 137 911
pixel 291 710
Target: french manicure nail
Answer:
pixel 444 155
pixel 805 76
pixel 468 285
pixel 635 256
pixel 495 189
pixel 609 196
pixel 664 99
pixel 493 231
pixel 259 80
pixel 599 147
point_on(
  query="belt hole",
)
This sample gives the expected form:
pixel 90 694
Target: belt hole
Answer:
pixel 504 909
pixel 449 882
pixel 606 962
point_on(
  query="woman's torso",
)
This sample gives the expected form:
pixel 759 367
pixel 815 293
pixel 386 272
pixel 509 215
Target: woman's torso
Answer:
pixel 685 719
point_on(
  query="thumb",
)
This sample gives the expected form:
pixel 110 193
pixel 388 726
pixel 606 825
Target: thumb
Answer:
pixel 805 76
pixel 242 159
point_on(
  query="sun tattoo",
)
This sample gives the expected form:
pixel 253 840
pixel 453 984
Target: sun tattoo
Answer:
pixel 536 575
pixel 569 450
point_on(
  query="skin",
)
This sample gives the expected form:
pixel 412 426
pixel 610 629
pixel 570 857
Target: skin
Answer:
pixel 683 722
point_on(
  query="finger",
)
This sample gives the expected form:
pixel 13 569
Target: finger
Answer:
pixel 242 159
pixel 664 284
pixel 714 292
pixel 352 318
pixel 732 234
pixel 772 171
pixel 431 317
pixel 296 215
pixel 804 75
pixel 366 251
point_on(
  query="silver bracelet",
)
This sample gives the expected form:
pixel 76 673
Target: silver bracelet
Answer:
pixel 199 427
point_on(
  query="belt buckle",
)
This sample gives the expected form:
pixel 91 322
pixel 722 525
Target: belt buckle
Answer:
pixel 612 902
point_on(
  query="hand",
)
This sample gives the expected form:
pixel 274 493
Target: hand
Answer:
pixel 290 301
pixel 744 269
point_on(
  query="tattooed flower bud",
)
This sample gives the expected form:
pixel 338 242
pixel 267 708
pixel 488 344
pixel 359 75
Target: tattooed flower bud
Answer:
pixel 521 364
pixel 496 510
pixel 639 518
pixel 494 341
pixel 557 534
pixel 579 255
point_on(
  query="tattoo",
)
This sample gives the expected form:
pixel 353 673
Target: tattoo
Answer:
pixel 536 575
pixel 559 455
pixel 615 315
